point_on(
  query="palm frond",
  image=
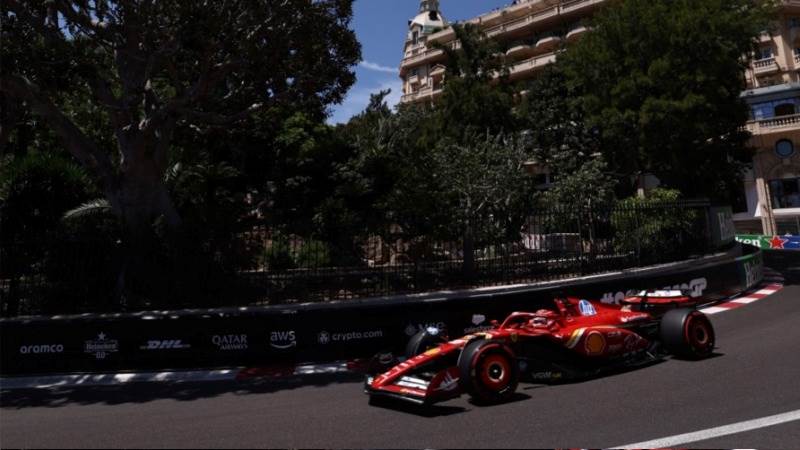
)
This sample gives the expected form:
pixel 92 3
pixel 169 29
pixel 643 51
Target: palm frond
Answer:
pixel 91 208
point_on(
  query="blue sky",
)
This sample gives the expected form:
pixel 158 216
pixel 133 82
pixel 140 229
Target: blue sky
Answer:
pixel 381 27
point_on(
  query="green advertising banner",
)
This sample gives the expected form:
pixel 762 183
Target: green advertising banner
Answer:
pixel 770 242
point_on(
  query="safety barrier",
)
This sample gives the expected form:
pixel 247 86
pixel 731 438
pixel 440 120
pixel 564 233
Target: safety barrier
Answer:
pixel 235 337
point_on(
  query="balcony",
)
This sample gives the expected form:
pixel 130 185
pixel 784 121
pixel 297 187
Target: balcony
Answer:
pixel 575 33
pixel 445 35
pixel 520 51
pixel 415 50
pixel 525 68
pixel 548 44
pixel 766 66
pixel 774 125
pixel 791 5
pixel 572 6
pixel 426 93
pixel 540 12
pixel 438 71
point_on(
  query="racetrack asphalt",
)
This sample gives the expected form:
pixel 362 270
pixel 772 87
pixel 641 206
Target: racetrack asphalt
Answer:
pixel 755 373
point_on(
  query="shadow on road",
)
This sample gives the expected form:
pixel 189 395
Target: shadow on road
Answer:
pixel 714 355
pixel 787 262
pixel 147 392
pixel 414 409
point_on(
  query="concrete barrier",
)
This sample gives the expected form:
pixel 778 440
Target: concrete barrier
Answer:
pixel 252 336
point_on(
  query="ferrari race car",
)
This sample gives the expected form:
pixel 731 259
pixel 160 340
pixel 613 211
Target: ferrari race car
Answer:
pixel 574 339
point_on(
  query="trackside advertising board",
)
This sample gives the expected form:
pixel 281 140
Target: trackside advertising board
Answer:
pixel 722 229
pixel 770 242
pixel 260 336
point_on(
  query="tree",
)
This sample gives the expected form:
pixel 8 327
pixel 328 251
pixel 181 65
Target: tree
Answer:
pixel 661 80
pixel 154 67
pixel 477 96
pixel 560 140
pixel 485 189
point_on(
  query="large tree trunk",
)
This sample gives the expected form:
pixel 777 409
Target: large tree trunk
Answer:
pixel 141 197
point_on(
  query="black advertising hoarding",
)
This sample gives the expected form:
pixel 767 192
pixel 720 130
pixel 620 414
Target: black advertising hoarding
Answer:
pixel 721 224
pixel 265 336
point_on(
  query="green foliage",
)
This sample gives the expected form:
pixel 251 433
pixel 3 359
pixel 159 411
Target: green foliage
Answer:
pixel 313 254
pixel 561 141
pixel 284 254
pixel 88 209
pixel 645 229
pixel 661 80
pixel 36 243
pixel 183 66
pixel 477 96
pixel 35 191
pixel 278 255
pixel 484 185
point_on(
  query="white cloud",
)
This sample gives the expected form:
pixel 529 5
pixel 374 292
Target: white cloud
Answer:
pixel 377 67
pixel 358 99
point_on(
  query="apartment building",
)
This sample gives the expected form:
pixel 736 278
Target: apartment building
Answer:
pixel 535 31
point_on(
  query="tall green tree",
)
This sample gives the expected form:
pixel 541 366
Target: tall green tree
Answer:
pixel 562 143
pixel 661 79
pixel 477 95
pixel 152 67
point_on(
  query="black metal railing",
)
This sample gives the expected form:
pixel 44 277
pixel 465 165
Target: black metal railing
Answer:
pixel 271 267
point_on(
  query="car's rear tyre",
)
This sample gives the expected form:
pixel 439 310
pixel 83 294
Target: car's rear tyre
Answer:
pixel 489 371
pixel 687 333
pixel 422 342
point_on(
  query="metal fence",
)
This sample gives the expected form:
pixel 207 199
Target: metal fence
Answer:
pixel 273 267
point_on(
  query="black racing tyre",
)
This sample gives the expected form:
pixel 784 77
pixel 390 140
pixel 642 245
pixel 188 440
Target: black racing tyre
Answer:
pixel 687 333
pixel 422 342
pixel 489 371
pixel 381 362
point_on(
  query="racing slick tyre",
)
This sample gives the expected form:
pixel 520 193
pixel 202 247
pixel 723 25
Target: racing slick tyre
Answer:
pixel 489 371
pixel 687 333
pixel 422 342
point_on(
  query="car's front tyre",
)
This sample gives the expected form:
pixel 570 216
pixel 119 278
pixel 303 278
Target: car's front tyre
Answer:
pixel 489 371
pixel 421 342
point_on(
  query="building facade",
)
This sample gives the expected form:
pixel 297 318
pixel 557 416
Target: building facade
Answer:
pixel 535 31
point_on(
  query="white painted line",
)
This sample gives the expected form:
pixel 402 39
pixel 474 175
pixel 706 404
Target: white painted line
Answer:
pixel 713 310
pixel 745 300
pixel 710 433
pixel 111 379
pixel 766 291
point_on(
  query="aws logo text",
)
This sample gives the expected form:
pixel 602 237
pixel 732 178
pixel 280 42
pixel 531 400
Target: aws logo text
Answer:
pixel 282 340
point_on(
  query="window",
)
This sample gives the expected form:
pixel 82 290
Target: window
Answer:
pixel 794 22
pixel 784 109
pixel 415 37
pixel 785 193
pixel 790 225
pixel 765 53
pixel 768 110
pixel 784 148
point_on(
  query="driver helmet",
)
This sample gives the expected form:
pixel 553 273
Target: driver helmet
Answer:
pixel 543 317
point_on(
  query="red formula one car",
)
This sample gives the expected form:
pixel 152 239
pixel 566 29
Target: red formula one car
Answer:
pixel 575 339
